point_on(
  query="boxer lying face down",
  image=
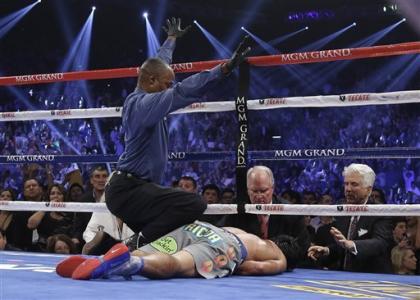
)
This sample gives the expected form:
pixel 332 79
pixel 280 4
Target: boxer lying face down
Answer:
pixel 198 249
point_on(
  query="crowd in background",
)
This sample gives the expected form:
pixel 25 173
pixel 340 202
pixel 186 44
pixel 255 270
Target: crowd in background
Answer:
pixel 298 181
pixel 383 126
pixel 71 233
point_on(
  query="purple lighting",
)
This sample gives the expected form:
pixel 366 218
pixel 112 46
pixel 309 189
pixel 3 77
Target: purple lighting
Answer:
pixel 310 15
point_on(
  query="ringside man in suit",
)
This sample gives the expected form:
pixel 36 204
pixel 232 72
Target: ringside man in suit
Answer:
pixel 260 185
pixel 362 243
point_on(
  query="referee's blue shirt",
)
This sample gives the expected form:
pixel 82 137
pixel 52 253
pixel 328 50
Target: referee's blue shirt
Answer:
pixel 144 119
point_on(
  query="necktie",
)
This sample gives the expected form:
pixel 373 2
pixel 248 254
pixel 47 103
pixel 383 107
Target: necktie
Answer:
pixel 263 219
pixel 351 234
pixel 352 228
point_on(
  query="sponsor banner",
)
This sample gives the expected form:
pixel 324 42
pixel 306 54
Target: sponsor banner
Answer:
pixel 269 207
pixel 330 153
pixel 182 67
pixel 335 55
pixel 213 209
pixel 241 155
pixel 40 78
pixel 16 159
pixel 309 101
pixel 281 154
pixel 29 158
pixel 201 156
pixel 55 204
pixel 106 112
pixel 193 67
pixel 315 55
pixel 274 209
pixel 221 106
pixel 69 76
pixel 190 67
pixel 334 210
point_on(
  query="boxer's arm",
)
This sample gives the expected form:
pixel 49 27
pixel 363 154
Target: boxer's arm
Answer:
pixel 268 267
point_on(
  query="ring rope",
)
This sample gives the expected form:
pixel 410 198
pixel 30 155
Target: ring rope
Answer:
pixel 343 100
pixel 189 67
pixel 273 60
pixel 220 209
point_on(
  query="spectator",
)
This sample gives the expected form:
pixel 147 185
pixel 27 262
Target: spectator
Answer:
pixel 412 184
pixel 403 261
pixel 6 216
pixel 103 231
pixel 13 224
pixel 377 196
pixel 75 192
pixel 319 221
pixel 4 245
pixel 50 223
pixel 228 195
pixel 399 232
pixel 188 184
pixel 211 195
pixel 292 196
pixel 309 228
pixel 98 177
pixel 60 244
pixel 413 237
pixel 309 197
pixel 362 243
pixel 260 184
pixel 32 190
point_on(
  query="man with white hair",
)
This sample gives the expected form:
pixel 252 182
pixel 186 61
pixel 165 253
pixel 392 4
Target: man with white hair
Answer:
pixel 260 185
pixel 362 243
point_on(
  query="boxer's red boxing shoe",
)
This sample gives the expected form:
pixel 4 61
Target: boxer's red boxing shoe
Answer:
pixel 66 267
pixel 98 267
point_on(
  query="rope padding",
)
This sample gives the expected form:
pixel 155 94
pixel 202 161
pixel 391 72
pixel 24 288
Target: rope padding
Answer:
pixel 222 209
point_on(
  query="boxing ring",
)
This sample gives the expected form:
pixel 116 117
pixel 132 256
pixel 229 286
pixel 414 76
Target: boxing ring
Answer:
pixel 32 276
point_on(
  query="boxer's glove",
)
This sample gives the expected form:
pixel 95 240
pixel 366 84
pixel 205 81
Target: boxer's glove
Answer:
pixel 173 28
pixel 238 56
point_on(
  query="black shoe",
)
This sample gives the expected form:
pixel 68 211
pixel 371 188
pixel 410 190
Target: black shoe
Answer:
pixel 131 242
pixel 135 242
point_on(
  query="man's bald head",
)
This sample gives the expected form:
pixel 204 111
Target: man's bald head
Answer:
pixel 155 76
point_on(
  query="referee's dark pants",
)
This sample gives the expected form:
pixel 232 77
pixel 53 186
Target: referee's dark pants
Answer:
pixel 149 208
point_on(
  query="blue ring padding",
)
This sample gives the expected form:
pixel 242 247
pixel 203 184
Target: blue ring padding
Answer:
pixel 284 154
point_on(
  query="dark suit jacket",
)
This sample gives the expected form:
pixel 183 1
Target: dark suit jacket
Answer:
pixel 373 242
pixel 277 224
pixel 81 219
pixel 17 233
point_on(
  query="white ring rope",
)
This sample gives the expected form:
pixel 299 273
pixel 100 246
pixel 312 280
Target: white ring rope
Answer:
pixel 343 100
pixel 222 209
pixel 218 209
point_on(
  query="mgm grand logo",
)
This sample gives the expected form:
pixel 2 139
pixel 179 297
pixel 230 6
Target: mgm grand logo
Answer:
pixel 29 158
pixel 176 155
pixel 309 153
